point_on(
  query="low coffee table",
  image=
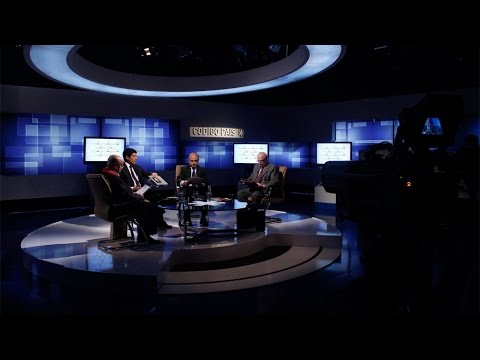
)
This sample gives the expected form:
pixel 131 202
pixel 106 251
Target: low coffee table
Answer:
pixel 192 232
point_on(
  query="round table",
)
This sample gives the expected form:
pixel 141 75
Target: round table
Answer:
pixel 190 233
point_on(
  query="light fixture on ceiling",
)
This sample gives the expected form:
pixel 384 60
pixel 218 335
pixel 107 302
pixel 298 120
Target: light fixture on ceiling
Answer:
pixel 275 48
pixel 62 63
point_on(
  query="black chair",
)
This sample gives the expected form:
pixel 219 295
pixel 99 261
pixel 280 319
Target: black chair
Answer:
pixel 275 194
pixel 105 209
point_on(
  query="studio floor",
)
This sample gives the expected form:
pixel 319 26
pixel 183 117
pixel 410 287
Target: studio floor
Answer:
pixel 220 257
pixel 349 286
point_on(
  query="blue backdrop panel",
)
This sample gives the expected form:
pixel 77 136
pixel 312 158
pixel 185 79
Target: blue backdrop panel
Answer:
pixel 291 154
pixel 42 144
pixel 213 154
pixel 155 140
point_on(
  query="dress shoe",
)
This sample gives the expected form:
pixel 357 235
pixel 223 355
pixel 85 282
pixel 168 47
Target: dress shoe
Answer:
pixel 203 222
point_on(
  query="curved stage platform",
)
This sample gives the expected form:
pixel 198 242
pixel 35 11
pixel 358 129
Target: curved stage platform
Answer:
pixel 66 253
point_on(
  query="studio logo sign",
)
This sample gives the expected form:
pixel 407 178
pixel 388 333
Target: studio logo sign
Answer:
pixel 217 132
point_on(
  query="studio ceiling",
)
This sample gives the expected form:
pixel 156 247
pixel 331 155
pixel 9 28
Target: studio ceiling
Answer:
pixel 365 71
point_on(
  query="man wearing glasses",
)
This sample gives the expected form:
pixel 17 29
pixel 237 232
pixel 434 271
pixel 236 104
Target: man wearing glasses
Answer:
pixel 263 176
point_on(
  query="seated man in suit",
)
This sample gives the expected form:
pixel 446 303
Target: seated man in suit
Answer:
pixel 192 178
pixel 263 176
pixel 134 175
pixel 148 214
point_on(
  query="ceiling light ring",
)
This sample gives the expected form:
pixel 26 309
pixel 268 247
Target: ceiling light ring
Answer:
pixel 63 64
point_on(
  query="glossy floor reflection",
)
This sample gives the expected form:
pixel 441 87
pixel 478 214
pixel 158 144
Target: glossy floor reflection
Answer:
pixel 66 252
pixel 352 286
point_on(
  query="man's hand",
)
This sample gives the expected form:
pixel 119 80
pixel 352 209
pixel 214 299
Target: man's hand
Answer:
pixel 138 196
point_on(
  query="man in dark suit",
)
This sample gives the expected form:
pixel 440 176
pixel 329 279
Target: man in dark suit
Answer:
pixel 134 175
pixel 263 176
pixel 192 178
pixel 148 214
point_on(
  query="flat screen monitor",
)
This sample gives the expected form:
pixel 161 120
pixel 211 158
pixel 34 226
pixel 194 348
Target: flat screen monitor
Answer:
pixel 432 126
pixel 247 153
pixel 333 151
pixel 97 149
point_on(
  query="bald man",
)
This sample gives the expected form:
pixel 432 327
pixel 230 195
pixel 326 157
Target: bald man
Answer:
pixel 263 176
pixel 188 185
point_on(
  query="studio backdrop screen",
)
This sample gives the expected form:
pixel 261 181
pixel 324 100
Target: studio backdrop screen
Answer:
pixel 213 154
pixel 156 140
pixel 291 154
pixel 45 144
pixel 225 154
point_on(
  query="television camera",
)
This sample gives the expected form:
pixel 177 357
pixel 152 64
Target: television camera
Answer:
pixel 415 176
pixel 405 206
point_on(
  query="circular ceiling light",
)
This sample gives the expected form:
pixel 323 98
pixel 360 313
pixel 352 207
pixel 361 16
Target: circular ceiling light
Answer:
pixel 62 63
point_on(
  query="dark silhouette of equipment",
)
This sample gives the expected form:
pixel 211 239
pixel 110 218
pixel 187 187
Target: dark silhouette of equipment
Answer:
pixel 403 201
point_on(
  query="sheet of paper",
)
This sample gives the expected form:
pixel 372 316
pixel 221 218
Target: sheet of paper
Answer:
pixel 220 199
pixel 143 189
pixel 203 203
pixel 195 180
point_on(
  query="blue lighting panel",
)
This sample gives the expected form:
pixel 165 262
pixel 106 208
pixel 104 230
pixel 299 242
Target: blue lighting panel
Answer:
pixel 213 154
pixel 43 144
pixel 364 133
pixel 291 154
pixel 154 139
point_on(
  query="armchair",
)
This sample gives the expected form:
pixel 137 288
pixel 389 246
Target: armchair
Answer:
pixel 105 209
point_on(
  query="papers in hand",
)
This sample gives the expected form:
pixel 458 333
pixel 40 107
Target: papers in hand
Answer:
pixel 195 180
pixel 158 180
pixel 143 189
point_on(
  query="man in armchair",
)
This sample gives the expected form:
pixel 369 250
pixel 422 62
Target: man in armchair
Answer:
pixel 192 178
pixel 148 215
pixel 263 176
pixel 135 176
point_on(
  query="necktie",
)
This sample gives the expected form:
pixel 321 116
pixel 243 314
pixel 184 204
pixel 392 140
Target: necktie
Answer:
pixel 193 172
pixel 135 181
pixel 259 175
